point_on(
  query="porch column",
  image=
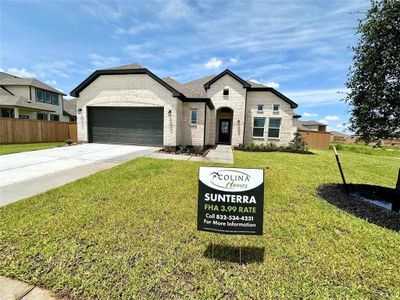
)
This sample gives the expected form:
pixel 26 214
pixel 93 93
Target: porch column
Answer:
pixel 16 113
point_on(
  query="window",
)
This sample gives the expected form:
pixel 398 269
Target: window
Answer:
pixel 54 117
pixel 275 107
pixel 41 116
pixel 226 92
pixel 46 97
pixel 72 118
pixel 274 128
pixel 39 95
pixel 54 99
pixel 7 113
pixel 23 116
pixel 260 107
pixel 258 127
pixel 193 116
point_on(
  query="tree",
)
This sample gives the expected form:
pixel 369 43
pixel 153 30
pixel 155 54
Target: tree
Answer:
pixel 374 78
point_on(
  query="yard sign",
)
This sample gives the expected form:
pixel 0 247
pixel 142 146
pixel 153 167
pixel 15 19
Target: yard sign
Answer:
pixel 231 200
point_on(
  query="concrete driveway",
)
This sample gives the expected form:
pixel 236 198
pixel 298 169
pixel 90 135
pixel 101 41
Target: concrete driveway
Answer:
pixel 28 173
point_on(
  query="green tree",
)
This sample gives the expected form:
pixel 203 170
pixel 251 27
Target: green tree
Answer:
pixel 374 78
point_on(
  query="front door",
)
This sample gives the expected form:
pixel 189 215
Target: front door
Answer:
pixel 224 131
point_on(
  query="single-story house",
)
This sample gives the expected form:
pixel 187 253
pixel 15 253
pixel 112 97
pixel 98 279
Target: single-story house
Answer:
pixel 29 98
pixel 312 125
pixel 131 105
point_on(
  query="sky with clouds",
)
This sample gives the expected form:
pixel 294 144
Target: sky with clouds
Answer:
pixel 300 48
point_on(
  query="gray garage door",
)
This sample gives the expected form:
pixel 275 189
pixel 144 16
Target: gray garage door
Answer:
pixel 126 125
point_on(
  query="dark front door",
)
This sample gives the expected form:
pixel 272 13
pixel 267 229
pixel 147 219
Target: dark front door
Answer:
pixel 224 131
pixel 126 125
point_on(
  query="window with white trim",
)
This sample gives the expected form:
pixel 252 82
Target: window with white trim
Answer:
pixel 193 117
pixel 274 128
pixel 46 97
pixel 258 127
pixel 275 107
pixel 260 107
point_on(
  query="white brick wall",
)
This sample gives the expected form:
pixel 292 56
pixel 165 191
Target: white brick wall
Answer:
pixel 139 90
pixel 193 134
pixel 266 98
pixel 235 100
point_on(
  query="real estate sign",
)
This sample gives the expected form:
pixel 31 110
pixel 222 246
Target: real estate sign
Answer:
pixel 231 200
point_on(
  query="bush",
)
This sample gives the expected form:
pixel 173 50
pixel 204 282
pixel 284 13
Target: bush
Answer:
pixel 69 142
pixel 186 149
pixel 297 145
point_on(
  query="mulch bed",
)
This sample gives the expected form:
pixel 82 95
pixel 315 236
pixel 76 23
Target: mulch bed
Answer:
pixel 336 195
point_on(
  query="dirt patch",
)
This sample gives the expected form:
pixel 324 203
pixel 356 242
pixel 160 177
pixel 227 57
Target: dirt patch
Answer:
pixel 336 195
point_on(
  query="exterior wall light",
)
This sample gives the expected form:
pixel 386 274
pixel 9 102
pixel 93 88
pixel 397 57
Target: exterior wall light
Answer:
pixel 79 110
pixel 169 112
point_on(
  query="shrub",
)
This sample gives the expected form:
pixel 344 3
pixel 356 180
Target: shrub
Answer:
pixel 297 143
pixel 69 142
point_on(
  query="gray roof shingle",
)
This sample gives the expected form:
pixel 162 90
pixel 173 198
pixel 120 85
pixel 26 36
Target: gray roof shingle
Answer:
pixel 18 101
pixel 311 123
pixel 69 106
pixel 185 90
pixel 8 79
pixel 127 67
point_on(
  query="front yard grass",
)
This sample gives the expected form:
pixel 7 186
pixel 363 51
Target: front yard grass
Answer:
pixel 130 232
pixel 15 148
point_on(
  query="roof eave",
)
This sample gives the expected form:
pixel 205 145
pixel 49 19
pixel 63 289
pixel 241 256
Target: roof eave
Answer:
pixel 229 72
pixel 75 92
pixel 272 90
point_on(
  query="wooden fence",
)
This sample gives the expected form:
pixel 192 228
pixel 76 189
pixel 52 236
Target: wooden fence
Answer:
pixel 17 131
pixel 316 139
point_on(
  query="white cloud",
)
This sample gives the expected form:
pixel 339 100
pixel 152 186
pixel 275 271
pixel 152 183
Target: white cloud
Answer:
pixel 100 61
pixel 308 115
pixel 272 84
pixel 175 9
pixel 213 63
pixel 233 60
pixel 21 72
pixel 323 121
pixel 102 10
pixel 316 97
pixel 332 118
pixel 51 82
pixel 137 28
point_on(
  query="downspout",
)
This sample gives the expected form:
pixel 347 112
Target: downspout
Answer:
pixel 30 92
pixel 205 124
pixel 244 119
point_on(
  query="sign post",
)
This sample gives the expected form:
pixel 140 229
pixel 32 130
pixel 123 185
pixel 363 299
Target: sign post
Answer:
pixel 231 200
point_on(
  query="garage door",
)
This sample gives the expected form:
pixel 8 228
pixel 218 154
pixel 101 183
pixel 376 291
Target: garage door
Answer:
pixel 126 125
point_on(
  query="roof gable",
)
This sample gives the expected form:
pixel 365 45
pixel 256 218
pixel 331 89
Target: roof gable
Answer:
pixel 226 72
pixel 275 92
pixel 122 71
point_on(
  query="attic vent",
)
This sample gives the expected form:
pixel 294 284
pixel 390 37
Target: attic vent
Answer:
pixel 226 92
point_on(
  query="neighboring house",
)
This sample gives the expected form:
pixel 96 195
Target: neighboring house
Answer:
pixel 29 98
pixel 337 136
pixel 70 109
pixel 131 105
pixel 312 125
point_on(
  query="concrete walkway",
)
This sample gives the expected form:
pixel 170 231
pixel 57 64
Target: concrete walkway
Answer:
pixel 28 173
pixel 221 154
pixel 17 290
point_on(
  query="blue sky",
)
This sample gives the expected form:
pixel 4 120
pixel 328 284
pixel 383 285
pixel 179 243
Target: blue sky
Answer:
pixel 299 47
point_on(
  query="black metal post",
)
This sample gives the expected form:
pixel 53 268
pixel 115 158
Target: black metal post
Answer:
pixel 396 201
pixel 340 169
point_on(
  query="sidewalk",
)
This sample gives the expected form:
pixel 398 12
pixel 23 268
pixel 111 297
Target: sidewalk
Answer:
pixel 221 154
pixel 17 290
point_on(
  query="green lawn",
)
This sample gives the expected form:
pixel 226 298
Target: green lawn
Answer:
pixel 15 148
pixel 366 149
pixel 130 232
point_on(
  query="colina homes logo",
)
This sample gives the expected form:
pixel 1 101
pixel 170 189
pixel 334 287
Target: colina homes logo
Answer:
pixel 230 179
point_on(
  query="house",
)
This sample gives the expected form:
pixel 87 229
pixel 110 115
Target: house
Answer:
pixel 69 109
pixel 337 136
pixel 131 105
pixel 29 98
pixel 312 125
